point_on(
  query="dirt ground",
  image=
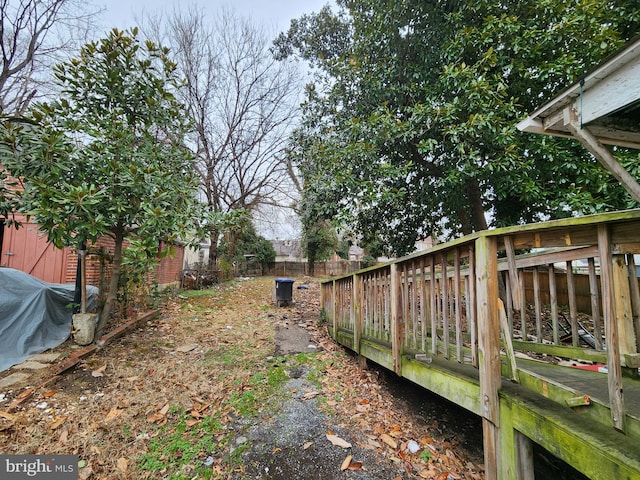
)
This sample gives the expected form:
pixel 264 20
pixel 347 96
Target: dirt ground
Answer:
pixel 225 384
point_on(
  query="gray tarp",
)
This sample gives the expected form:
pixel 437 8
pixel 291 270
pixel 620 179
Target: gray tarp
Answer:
pixel 34 315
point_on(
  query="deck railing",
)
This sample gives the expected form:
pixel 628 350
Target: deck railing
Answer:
pixel 565 289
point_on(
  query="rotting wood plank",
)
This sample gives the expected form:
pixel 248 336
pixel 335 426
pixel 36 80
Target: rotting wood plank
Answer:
pixel 614 374
pixel 622 300
pixel 489 349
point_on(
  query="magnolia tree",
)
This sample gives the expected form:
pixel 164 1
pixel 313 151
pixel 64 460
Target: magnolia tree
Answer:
pixel 108 158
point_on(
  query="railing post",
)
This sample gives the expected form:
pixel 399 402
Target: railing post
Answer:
pixel 489 349
pixel 614 370
pixel 396 318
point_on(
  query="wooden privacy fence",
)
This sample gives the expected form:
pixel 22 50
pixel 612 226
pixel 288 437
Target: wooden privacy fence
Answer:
pixel 475 303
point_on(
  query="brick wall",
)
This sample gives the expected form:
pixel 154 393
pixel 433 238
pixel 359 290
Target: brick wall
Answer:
pixel 167 272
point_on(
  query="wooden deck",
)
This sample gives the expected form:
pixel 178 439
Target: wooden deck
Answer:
pixel 472 319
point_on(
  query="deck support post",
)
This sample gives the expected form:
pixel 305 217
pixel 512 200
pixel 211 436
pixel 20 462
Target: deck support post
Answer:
pixel 489 350
pixel 396 317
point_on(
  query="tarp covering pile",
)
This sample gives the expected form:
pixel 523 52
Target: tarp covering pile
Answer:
pixel 34 315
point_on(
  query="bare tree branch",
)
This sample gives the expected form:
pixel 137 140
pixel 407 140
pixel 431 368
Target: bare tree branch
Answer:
pixel 34 34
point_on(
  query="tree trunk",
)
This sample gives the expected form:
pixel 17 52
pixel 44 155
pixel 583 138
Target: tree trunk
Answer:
pixel 474 195
pixel 112 294
pixel 214 233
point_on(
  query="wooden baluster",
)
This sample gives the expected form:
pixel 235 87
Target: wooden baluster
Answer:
pixel 573 310
pixel 536 297
pixel 553 299
pixel 635 297
pixel 458 304
pixel 445 307
pixel 471 307
pixel 434 307
pixel 594 291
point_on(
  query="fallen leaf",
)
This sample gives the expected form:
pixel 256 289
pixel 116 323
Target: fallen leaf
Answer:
pixel 50 393
pixel 310 395
pixel 156 417
pixel 63 437
pixel 164 410
pixel 443 476
pixel 307 445
pixel 7 415
pixel 112 415
pixel 99 372
pixel 122 465
pixel 85 473
pixel 191 423
pixel 58 422
pixel 186 348
pixel 355 466
pixel 346 462
pixel 337 441
pixel 26 393
pixel 389 441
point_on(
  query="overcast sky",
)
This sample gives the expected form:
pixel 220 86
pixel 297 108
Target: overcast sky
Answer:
pixel 271 14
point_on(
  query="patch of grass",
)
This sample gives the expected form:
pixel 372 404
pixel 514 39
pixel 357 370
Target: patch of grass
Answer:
pixel 226 356
pixel 179 451
pixel 200 293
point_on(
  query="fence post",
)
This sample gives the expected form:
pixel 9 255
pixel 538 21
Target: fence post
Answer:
pixel 489 349
pixel 396 318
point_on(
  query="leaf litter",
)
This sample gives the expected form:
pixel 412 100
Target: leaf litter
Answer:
pixel 180 397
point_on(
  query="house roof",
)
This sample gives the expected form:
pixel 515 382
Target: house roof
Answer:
pixel 606 101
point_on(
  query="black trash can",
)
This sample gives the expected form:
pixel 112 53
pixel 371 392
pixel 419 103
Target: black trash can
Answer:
pixel 284 291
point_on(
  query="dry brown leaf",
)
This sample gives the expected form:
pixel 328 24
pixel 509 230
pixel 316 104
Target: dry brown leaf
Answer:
pixel 99 372
pixel 85 473
pixel 428 473
pixel 186 348
pixel 26 393
pixel 112 415
pixel 64 436
pixel 364 401
pixel 122 465
pixel 7 415
pixel 50 393
pixel 389 441
pixel 355 466
pixel 443 476
pixel 58 422
pixel 156 417
pixel 346 462
pixel 337 441
pixel 307 445
pixel 164 410
pixel 191 423
pixel 310 395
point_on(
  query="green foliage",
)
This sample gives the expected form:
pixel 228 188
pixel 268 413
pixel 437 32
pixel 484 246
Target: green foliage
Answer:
pixel 247 243
pixel 107 158
pixel 108 154
pixel 409 129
